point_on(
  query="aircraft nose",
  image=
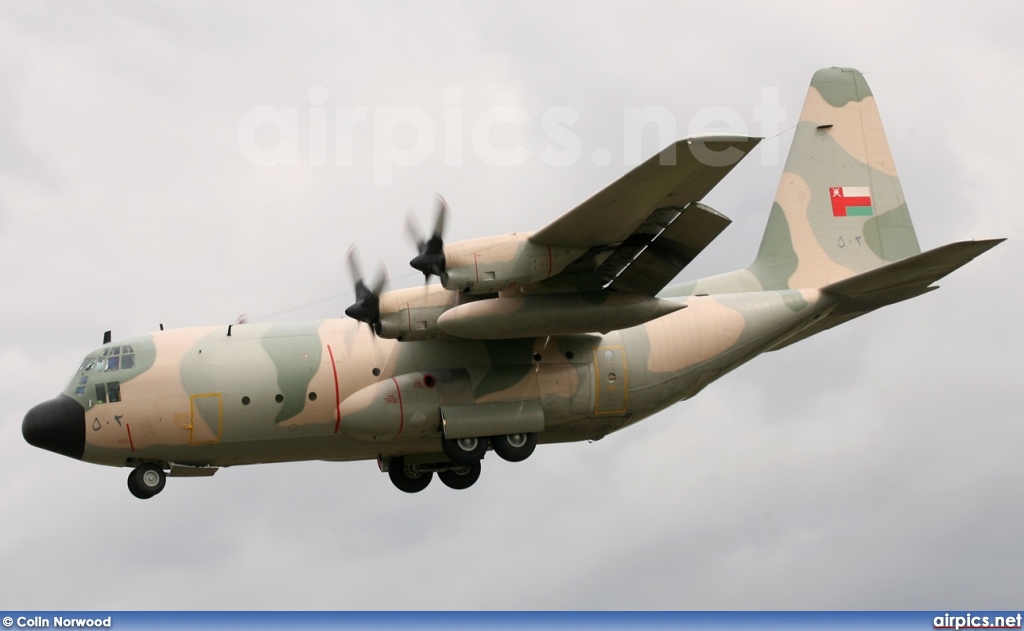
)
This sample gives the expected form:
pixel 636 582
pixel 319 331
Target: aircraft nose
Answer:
pixel 57 425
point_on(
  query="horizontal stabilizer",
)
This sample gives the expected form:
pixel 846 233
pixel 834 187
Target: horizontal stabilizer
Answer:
pixel 913 273
pixel 896 282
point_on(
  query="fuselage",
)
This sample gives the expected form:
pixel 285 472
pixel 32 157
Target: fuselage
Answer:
pixel 253 393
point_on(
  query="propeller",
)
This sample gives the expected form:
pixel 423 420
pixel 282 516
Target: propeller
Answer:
pixel 366 308
pixel 430 259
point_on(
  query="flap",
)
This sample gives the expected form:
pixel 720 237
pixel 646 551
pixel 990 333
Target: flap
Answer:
pixel 655 259
pixel 682 173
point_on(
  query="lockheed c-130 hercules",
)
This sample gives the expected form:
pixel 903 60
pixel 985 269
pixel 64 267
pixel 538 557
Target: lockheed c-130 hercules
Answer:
pixel 564 334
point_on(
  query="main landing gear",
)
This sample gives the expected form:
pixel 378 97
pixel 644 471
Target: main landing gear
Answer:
pixel 146 480
pixel 462 469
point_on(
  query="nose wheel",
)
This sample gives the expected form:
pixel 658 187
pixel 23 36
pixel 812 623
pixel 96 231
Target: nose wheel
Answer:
pixel 146 480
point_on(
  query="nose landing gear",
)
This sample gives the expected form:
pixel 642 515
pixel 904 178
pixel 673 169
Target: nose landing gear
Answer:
pixel 146 480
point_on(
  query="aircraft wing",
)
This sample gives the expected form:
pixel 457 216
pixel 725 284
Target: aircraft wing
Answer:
pixel 682 173
pixel 645 227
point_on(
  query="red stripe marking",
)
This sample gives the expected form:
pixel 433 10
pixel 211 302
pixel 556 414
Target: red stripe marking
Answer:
pixel 337 393
pixel 132 444
pixel 401 408
pixel 856 201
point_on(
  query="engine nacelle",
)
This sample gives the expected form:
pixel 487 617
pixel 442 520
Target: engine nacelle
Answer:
pixel 559 314
pixel 411 314
pixel 493 264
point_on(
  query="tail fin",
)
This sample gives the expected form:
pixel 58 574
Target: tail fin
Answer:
pixel 839 210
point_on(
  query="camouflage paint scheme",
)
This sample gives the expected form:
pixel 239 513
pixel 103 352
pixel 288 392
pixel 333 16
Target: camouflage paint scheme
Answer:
pixel 332 390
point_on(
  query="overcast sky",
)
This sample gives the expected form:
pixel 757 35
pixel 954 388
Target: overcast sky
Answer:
pixel 878 465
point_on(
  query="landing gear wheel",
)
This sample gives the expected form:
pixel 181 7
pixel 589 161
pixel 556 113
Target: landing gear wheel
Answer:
pixel 146 480
pixel 464 450
pixel 409 479
pixel 461 477
pixel 514 447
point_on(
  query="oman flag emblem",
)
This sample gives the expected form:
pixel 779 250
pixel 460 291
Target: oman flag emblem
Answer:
pixel 851 201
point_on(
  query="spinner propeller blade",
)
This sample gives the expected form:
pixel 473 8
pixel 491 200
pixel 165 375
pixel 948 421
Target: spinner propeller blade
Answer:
pixel 366 308
pixel 430 260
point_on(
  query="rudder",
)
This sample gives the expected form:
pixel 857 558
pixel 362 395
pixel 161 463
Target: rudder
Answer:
pixel 839 209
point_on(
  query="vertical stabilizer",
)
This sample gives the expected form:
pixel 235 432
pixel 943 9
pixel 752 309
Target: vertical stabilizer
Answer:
pixel 839 210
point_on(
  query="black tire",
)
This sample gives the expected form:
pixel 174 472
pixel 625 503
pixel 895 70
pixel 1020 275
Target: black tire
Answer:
pixel 461 477
pixel 146 480
pixel 464 450
pixel 514 447
pixel 408 479
pixel 134 488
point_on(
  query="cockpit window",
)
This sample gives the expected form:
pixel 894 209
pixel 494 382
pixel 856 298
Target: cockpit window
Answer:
pixel 114 358
pixel 101 393
pixel 87 364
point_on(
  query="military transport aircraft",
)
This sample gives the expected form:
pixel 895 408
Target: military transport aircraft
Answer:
pixel 564 334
